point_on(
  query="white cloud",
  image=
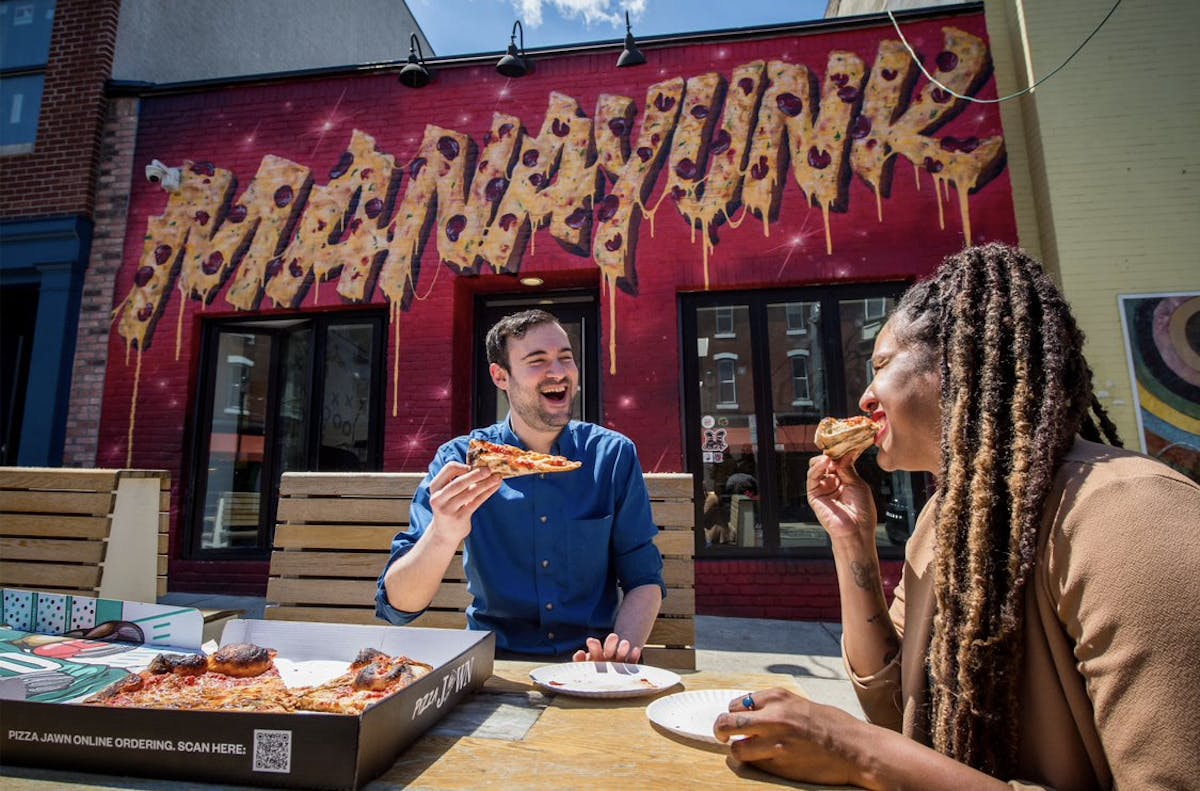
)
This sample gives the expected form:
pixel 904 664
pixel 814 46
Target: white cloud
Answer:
pixel 592 12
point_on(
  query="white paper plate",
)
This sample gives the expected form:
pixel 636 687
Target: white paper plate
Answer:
pixel 603 679
pixel 692 714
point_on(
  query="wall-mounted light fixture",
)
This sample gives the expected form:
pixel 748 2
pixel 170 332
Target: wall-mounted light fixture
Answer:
pixel 631 55
pixel 513 64
pixel 415 74
pixel 532 282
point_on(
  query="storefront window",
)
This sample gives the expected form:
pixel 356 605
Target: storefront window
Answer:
pixel 25 27
pixel 781 360
pixel 278 396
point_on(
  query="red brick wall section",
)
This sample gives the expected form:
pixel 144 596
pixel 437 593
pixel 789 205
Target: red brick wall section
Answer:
pixel 784 589
pixel 118 138
pixel 57 177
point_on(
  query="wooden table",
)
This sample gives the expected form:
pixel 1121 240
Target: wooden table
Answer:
pixel 511 736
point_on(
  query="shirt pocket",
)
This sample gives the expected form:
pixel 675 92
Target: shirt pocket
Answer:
pixel 588 542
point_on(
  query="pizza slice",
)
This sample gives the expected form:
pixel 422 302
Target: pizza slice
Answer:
pixel 837 438
pixel 510 461
pixel 373 675
pixel 238 677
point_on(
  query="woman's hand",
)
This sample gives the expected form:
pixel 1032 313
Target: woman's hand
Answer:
pixel 455 493
pixel 792 737
pixel 841 499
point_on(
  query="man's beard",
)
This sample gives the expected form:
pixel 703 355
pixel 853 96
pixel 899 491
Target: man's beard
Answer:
pixel 528 405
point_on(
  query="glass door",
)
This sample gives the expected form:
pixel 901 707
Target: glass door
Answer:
pixel 729 445
pixel 300 394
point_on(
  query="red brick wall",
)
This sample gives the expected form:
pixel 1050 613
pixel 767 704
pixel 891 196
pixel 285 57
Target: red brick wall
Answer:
pixel 57 177
pixel 786 589
pixel 310 122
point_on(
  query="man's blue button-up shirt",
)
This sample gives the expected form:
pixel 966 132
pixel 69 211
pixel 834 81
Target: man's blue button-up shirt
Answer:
pixel 546 553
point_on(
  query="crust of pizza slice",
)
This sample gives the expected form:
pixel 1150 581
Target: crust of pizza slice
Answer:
pixel 837 438
pixel 510 462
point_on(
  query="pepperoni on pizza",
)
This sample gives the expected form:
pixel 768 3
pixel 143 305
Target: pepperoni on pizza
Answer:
pixel 243 677
pixel 509 461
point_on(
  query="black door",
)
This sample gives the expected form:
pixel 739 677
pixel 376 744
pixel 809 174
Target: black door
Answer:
pixel 302 394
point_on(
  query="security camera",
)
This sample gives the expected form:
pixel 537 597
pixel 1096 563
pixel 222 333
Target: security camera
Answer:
pixel 163 176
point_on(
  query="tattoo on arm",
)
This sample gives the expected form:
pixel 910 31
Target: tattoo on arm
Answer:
pixel 893 645
pixel 866 575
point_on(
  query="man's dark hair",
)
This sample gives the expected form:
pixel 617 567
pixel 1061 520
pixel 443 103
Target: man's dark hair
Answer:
pixel 514 326
pixel 1016 389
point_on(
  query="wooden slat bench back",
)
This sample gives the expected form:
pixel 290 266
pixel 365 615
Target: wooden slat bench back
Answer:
pixel 334 535
pixel 57 529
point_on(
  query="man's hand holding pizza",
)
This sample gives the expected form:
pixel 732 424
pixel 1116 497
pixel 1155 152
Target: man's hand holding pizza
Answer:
pixel 455 493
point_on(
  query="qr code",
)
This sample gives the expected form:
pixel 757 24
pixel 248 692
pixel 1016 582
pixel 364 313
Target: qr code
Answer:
pixel 272 751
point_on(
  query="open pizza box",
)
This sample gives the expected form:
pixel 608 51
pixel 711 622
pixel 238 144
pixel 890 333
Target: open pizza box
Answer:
pixel 56 650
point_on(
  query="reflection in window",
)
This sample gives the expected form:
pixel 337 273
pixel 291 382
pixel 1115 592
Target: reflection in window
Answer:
pixel 25 27
pixel 726 380
pixel 801 392
pixel 794 314
pixel 724 322
pixel 875 308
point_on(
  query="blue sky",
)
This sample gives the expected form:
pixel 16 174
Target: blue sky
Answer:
pixel 461 27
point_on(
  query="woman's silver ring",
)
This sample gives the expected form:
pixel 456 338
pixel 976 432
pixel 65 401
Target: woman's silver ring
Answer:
pixel 748 702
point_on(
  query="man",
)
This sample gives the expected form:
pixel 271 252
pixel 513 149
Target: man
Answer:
pixel 544 553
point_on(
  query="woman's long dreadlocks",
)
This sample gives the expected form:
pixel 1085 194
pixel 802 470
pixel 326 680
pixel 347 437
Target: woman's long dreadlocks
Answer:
pixel 1015 392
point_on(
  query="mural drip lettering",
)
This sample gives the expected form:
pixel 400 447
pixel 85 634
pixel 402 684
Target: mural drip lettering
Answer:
pixel 727 144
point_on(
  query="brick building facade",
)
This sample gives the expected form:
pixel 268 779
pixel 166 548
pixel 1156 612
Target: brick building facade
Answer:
pixel 47 198
pixel 198 380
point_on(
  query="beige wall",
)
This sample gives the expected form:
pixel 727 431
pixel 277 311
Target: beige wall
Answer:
pixel 1106 174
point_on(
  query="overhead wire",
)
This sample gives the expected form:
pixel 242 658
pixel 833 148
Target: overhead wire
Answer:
pixel 1015 95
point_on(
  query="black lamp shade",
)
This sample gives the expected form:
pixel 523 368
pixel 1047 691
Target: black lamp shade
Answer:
pixel 514 63
pixel 631 55
pixel 414 75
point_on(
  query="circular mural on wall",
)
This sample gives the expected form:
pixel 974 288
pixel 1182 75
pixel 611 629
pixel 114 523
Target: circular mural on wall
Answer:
pixel 1163 336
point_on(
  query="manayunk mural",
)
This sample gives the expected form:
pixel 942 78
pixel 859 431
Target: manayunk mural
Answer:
pixel 713 149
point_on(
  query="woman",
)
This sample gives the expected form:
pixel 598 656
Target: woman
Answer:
pixel 1044 631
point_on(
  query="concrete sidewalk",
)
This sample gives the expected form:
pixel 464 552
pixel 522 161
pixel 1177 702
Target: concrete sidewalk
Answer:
pixel 808 652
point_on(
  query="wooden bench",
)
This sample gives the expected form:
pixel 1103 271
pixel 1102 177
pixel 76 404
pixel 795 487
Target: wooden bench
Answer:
pixel 334 536
pixel 88 532
pixel 236 518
